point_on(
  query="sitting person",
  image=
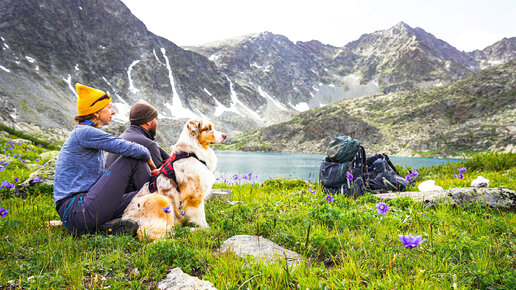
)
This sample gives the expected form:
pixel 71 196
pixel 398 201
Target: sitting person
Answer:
pixel 87 195
pixel 144 122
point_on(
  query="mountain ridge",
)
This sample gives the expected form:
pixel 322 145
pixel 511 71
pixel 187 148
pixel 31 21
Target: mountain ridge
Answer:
pixel 258 80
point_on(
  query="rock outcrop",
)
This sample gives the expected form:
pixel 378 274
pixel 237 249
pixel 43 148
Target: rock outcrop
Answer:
pixel 493 197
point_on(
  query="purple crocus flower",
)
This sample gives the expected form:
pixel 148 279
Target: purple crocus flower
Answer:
pixel 459 176
pixel 183 213
pixel 6 184
pixel 408 178
pixel 349 176
pixel 167 209
pixel 312 191
pixel 3 212
pixel 329 198
pixel 411 241
pixel 382 208
pixel 414 173
pixel 462 169
pixel 16 179
pixel 36 179
pixel 37 159
pixel 2 168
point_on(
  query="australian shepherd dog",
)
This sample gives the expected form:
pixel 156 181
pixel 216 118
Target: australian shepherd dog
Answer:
pixel 174 201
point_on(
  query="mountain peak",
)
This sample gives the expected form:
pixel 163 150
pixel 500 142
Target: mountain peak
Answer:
pixel 401 27
pixel 402 24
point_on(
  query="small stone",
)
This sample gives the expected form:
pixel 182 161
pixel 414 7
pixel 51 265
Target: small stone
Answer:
pixel 480 181
pixel 135 272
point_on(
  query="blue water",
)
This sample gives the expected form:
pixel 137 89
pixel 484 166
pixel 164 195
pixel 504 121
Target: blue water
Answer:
pixel 263 166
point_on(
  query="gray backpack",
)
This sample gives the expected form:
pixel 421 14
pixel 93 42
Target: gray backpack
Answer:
pixel 344 155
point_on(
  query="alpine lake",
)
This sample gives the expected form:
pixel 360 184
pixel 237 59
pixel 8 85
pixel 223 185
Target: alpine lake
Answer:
pixel 260 166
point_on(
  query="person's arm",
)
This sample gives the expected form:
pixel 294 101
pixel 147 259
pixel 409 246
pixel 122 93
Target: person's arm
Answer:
pixel 151 166
pixel 98 139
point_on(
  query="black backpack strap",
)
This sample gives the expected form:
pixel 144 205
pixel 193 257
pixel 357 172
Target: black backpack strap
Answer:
pixel 363 158
pixel 390 163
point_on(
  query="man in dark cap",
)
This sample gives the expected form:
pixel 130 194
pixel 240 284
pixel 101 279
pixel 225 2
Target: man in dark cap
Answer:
pixel 144 121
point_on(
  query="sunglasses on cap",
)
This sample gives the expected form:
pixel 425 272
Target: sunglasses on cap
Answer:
pixel 105 96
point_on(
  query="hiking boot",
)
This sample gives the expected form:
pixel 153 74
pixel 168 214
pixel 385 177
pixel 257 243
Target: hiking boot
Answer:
pixel 119 227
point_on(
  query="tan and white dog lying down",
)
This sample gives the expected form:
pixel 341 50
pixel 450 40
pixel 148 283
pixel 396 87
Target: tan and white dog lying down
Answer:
pixel 195 178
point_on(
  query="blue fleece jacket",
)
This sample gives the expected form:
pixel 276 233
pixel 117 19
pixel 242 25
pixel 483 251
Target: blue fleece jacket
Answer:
pixel 81 160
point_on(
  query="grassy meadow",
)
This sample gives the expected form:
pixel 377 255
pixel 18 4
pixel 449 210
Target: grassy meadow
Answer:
pixel 344 242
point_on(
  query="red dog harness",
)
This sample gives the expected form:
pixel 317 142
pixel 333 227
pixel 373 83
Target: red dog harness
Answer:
pixel 168 169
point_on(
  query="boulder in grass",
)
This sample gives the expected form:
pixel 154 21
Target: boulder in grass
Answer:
pixel 260 248
pixel 177 279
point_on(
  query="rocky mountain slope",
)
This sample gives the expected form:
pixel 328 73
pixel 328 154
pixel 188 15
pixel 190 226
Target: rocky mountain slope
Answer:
pixel 241 84
pixel 473 114
pixel 46 47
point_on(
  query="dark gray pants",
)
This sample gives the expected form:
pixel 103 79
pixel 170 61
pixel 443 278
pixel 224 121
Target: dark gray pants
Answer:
pixel 106 199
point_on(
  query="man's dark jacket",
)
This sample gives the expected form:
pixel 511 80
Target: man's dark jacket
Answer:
pixel 139 135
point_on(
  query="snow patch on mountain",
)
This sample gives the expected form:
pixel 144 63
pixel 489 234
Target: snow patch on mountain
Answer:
pixel 301 107
pixel 275 102
pixel 176 108
pixel 235 104
pixel 131 85
pixel 68 80
pixel 5 69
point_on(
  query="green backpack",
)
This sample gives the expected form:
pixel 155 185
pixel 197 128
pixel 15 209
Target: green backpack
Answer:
pixel 342 149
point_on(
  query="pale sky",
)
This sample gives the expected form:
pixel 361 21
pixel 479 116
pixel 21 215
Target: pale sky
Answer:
pixel 465 24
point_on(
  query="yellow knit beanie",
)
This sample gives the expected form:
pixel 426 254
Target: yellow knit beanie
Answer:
pixel 90 100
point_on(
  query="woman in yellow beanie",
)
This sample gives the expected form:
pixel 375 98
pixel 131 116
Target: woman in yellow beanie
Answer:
pixel 86 194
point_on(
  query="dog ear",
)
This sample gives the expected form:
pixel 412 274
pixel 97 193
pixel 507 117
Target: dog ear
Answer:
pixel 206 126
pixel 193 125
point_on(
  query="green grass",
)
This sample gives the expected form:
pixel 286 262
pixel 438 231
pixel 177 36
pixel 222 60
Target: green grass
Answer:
pixel 344 244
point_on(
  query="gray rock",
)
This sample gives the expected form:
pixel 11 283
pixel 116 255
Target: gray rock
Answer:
pixel 258 247
pixel 177 279
pixel 494 197
pixel 220 194
pixel 45 171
